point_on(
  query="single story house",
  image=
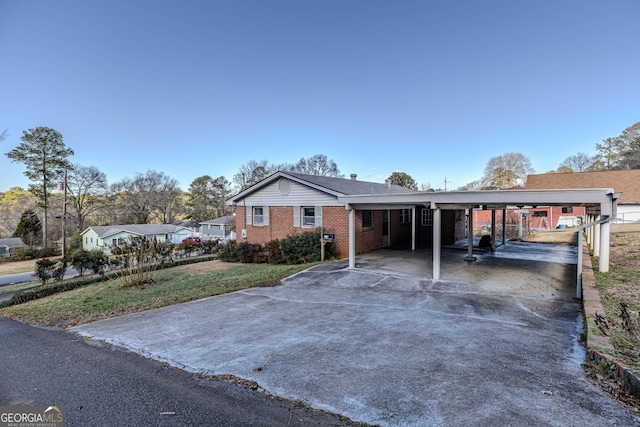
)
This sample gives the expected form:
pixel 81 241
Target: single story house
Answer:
pixel 222 228
pixel 287 203
pixel 7 246
pixel 105 237
pixel 365 216
pixel 626 182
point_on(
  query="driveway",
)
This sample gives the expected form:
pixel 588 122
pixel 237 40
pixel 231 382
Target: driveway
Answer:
pixel 495 343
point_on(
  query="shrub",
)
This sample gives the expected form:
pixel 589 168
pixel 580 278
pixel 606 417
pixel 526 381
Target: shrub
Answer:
pixel 45 268
pixel 295 249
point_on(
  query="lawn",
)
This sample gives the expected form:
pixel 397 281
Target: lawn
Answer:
pixel 620 293
pixel 7 268
pixel 171 286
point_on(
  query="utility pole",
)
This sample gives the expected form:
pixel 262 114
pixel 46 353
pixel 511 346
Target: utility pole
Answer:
pixel 64 217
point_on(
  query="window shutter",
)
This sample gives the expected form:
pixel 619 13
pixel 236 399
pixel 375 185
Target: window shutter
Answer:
pixel 265 212
pixel 249 214
pixel 318 219
pixel 296 216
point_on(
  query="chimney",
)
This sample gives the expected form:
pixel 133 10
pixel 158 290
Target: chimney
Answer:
pixel 353 177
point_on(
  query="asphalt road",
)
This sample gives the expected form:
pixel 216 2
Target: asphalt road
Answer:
pixel 98 384
pixel 13 279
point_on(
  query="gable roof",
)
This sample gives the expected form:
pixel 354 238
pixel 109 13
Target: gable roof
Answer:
pixel 12 242
pixel 140 229
pixel 223 220
pixel 626 181
pixel 330 185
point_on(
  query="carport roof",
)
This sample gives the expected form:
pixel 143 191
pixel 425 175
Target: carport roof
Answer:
pixel 493 199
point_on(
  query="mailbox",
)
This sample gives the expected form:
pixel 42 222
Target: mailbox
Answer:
pixel 328 236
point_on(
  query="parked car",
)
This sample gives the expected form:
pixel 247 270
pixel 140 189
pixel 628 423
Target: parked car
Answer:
pixel 191 240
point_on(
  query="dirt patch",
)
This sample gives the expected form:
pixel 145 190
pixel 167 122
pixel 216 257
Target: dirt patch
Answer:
pixel 566 235
pixel 207 266
pixel 17 267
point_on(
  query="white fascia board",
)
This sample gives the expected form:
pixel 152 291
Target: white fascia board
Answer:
pixel 568 197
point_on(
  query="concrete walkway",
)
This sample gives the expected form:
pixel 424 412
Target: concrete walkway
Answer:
pixel 495 343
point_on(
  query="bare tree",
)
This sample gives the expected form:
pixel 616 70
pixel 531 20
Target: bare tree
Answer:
pixel 252 172
pixel 317 164
pixel 148 196
pixel 507 170
pixel 88 190
pixel 580 162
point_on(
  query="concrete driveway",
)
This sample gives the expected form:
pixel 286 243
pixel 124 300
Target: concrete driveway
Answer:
pixel 495 343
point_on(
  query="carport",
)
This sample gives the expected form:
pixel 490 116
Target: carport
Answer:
pixel 600 203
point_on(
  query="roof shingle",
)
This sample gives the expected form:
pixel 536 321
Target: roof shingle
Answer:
pixel 625 181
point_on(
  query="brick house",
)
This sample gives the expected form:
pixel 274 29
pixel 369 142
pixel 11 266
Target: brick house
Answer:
pixel 287 203
pixel 626 182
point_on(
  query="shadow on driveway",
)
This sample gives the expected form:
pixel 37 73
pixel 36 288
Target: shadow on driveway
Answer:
pixel 494 344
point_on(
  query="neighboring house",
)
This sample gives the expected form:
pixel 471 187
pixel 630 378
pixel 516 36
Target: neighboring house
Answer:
pixel 104 237
pixel 626 182
pixel 218 229
pixel 530 218
pixel 288 203
pixel 7 246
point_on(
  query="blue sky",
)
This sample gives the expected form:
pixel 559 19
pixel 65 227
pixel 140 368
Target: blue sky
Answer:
pixel 433 89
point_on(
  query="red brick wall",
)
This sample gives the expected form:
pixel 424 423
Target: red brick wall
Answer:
pixel 335 219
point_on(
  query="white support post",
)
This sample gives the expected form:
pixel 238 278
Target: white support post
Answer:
pixel 603 260
pixel 437 238
pixel 352 238
pixel 596 239
pixel 413 228
pixel 493 229
pixel 470 256
pixel 504 226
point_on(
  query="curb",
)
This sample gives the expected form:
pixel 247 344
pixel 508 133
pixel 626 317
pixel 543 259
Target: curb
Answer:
pixel 628 378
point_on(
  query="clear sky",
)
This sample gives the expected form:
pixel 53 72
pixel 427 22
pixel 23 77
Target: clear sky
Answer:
pixel 430 88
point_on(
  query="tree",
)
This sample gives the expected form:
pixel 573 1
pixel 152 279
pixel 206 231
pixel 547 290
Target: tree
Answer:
pixel 13 202
pixel 507 170
pixel 317 164
pixel 88 189
pixel 148 196
pixel 3 135
pixel 44 155
pixel 630 142
pixel 252 172
pixel 206 197
pixel 29 228
pixel 403 180
pixel 621 152
pixel 580 162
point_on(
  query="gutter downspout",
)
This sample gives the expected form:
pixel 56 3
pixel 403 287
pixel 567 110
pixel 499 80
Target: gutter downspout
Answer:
pixel 579 272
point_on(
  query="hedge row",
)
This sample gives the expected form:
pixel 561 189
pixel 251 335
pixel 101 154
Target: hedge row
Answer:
pixel 70 284
pixel 296 249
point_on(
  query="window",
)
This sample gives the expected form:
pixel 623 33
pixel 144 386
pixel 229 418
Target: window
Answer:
pixel 367 219
pixel 258 215
pixel 114 242
pixel 539 213
pixel 567 209
pixel 426 217
pixel 309 216
pixel 405 216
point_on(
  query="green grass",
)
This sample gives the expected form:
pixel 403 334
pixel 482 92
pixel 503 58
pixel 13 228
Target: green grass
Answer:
pixel 171 286
pixel 620 286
